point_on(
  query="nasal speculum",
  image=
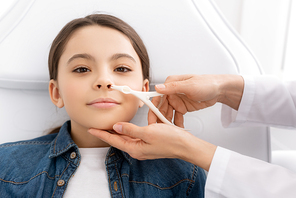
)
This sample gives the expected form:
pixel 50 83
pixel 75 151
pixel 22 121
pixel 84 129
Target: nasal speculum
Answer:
pixel 144 97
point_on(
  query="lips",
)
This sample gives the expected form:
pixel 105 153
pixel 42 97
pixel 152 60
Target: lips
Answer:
pixel 103 103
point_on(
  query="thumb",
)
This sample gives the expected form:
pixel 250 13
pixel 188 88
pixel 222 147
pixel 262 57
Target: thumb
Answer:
pixel 175 87
pixel 129 129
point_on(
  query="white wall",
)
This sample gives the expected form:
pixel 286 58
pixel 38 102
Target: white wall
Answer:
pixel 4 6
pixel 263 26
pixel 232 9
pixel 269 29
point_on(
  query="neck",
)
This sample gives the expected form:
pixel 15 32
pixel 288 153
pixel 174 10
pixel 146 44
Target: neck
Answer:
pixel 83 139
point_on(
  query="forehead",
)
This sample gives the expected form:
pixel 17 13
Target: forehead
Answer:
pixel 103 41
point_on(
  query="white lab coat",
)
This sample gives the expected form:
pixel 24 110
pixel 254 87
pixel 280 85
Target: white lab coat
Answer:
pixel 266 101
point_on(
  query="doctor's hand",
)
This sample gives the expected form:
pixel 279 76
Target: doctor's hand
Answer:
pixel 186 93
pixel 158 141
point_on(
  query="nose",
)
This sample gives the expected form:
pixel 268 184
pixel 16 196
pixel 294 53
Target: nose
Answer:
pixel 108 86
pixel 103 80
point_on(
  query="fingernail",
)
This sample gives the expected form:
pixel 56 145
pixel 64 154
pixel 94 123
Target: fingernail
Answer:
pixel 117 128
pixel 160 86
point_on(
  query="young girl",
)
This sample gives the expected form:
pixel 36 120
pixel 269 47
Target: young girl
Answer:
pixel 88 56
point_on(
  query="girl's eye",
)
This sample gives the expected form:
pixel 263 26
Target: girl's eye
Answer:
pixel 122 69
pixel 81 70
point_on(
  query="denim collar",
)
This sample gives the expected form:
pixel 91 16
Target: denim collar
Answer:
pixel 115 155
pixel 63 142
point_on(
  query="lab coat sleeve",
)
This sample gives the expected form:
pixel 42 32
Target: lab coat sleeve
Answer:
pixel 266 101
pixel 233 175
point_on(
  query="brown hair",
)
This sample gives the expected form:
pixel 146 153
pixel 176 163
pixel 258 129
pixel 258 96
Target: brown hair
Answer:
pixel 59 43
pixel 61 40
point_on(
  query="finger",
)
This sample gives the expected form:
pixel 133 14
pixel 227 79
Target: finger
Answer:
pixel 152 118
pixel 112 139
pixel 163 109
pixel 158 100
pixel 170 113
pixel 178 78
pixel 179 119
pixel 178 103
pixel 162 105
pixel 130 130
pixel 129 139
pixel 174 85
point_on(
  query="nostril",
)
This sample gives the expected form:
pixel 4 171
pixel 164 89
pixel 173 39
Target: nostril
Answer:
pixel 99 86
pixel 109 86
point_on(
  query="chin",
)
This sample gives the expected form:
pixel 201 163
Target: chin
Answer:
pixel 103 127
pixel 107 120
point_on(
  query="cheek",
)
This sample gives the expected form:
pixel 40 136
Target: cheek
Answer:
pixel 132 105
pixel 135 82
pixel 132 109
pixel 72 91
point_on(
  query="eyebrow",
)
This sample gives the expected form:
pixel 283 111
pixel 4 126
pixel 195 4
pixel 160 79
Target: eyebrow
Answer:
pixel 122 55
pixel 90 57
pixel 84 56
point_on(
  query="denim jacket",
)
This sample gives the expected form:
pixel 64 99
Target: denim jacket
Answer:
pixel 43 167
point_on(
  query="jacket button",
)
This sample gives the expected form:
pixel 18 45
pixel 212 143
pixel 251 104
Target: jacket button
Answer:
pixel 61 182
pixel 115 186
pixel 73 155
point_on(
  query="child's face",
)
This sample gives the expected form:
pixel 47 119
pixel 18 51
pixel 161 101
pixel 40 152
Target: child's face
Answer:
pixel 94 58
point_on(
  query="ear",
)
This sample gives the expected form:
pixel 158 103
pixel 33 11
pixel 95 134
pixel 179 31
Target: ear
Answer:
pixel 144 88
pixel 55 94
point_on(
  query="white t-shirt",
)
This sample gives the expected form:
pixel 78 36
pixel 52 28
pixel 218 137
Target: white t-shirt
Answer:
pixel 90 179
